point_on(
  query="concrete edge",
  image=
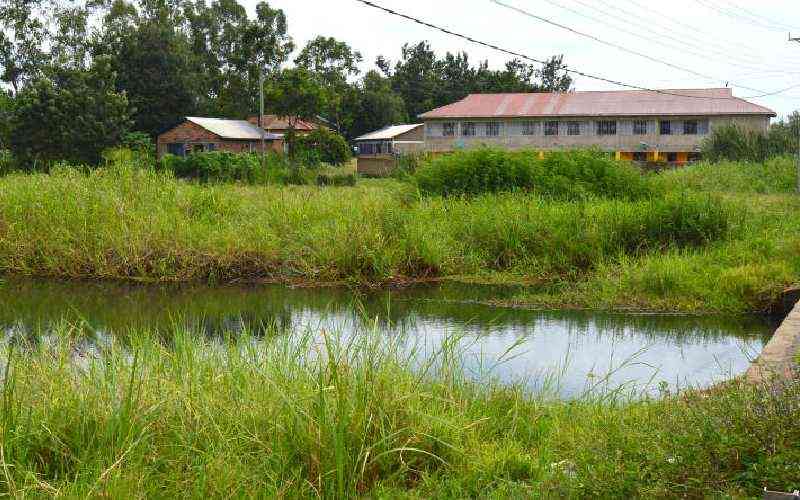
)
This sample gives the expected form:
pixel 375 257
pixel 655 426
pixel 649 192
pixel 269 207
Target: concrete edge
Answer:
pixel 779 358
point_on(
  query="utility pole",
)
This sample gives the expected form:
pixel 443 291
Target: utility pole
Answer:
pixel 797 39
pixel 261 117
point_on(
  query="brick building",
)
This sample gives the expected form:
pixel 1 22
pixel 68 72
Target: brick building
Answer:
pixel 635 125
pixel 216 134
pixel 280 125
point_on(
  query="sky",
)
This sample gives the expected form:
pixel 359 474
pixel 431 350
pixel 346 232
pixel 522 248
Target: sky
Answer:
pixel 678 44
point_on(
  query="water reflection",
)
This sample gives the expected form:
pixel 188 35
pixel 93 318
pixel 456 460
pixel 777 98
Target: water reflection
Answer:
pixel 580 348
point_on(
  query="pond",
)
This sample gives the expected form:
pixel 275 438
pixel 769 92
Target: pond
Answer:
pixel 566 352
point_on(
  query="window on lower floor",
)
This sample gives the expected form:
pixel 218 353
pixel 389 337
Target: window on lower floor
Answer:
pixel 573 128
pixel 607 127
pixel 690 127
pixel 176 149
pixel 639 127
pixel 550 128
pixel 640 156
pixel 529 128
pixel 665 127
pixel 492 129
pixel 468 129
pixel 672 157
pixel 448 129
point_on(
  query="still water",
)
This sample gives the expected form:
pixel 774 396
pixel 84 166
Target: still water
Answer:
pixel 566 351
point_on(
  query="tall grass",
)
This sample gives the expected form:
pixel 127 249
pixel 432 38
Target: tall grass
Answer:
pixel 324 416
pixel 128 223
pixel 561 174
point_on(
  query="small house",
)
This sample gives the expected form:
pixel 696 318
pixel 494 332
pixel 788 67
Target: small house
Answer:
pixel 197 134
pixel 378 151
pixel 275 124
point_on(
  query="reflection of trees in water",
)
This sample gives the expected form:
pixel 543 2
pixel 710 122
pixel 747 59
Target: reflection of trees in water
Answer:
pixel 220 312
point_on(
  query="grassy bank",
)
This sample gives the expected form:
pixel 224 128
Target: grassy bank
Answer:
pixel 703 242
pixel 243 417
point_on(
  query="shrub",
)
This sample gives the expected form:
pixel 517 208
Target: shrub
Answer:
pixel 225 166
pixel 734 143
pixel 336 180
pixel 565 175
pixel 322 145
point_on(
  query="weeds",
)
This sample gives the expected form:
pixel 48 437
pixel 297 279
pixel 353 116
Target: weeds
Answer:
pixel 316 414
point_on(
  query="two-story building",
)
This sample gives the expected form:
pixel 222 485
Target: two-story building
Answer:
pixel 669 125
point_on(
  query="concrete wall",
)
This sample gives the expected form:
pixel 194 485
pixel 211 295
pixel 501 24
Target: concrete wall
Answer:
pixel 781 354
pixel 376 165
pixel 191 134
pixel 511 138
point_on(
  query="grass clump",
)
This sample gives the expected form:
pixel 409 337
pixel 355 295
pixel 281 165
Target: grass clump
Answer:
pixel 562 175
pixel 316 415
pixel 773 176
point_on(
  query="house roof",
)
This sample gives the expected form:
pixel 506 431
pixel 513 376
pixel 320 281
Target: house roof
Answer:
pixel 600 103
pixel 275 122
pixel 232 129
pixel 389 132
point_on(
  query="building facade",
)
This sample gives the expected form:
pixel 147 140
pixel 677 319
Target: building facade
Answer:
pixel 634 125
pixel 195 135
pixel 379 151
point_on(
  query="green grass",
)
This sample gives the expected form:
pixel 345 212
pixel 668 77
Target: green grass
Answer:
pixel 706 242
pixel 167 414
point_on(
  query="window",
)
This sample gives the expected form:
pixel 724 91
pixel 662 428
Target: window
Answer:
pixel 607 127
pixel 672 157
pixel 665 127
pixel 529 128
pixel 639 156
pixel 448 129
pixel 176 149
pixel 573 128
pixel 639 127
pixel 690 127
pixel 550 128
pixel 492 129
pixel 468 129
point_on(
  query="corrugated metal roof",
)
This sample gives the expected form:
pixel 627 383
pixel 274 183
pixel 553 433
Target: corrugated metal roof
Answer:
pixel 232 129
pixel 600 103
pixel 275 122
pixel 389 132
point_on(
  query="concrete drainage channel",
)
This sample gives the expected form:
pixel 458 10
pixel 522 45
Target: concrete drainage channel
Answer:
pixel 781 356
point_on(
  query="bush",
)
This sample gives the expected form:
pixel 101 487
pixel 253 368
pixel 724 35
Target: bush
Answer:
pixel 321 145
pixel 336 180
pixel 734 143
pixel 225 166
pixel 564 175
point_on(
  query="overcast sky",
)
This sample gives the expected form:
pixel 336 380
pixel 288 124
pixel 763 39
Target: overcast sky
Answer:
pixel 743 42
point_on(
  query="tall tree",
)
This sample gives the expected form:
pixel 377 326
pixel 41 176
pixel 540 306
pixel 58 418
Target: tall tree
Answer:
pixel 83 111
pixel 378 105
pixel 334 62
pixel 296 94
pixel 23 37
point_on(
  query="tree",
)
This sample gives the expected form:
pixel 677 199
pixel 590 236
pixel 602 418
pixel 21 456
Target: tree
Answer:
pixel 333 62
pixel 378 105
pixel 297 95
pixel 23 35
pixel 83 113
pixel 553 76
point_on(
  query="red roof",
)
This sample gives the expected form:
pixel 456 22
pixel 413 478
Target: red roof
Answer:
pixel 600 103
pixel 274 122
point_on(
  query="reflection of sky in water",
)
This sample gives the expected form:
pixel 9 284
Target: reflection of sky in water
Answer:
pixel 577 349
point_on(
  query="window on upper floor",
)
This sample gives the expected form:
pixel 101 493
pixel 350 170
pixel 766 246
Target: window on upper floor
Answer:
pixel 573 128
pixel 550 128
pixel 468 129
pixel 492 129
pixel 448 129
pixel 690 127
pixel 639 127
pixel 665 127
pixel 607 127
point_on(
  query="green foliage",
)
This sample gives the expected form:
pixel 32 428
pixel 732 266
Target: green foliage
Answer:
pixel 566 175
pixel 73 117
pixel 324 145
pixel 734 143
pixel 318 415
pixel 225 166
pixel 776 175
pixel 336 180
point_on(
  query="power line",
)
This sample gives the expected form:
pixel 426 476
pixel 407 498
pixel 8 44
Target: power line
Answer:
pixel 611 44
pixel 756 15
pixel 539 61
pixel 746 61
pixel 739 17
